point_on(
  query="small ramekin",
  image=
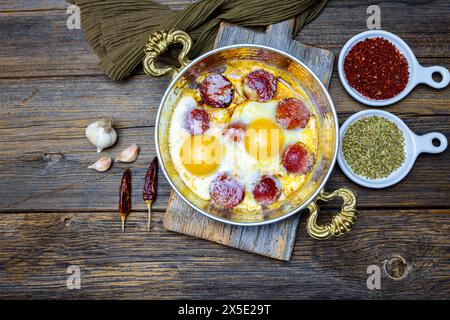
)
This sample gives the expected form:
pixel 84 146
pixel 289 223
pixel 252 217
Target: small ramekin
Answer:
pixel 414 145
pixel 417 73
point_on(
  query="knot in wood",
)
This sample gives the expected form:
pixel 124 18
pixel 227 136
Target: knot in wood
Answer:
pixel 396 267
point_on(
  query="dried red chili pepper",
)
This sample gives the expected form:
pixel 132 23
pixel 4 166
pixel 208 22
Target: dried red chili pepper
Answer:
pixel 125 197
pixel 150 188
pixel 376 69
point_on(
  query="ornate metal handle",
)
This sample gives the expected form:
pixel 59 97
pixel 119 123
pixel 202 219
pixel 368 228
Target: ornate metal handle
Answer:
pixel 158 43
pixel 341 223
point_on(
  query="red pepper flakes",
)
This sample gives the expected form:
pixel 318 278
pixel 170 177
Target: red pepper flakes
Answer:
pixel 376 69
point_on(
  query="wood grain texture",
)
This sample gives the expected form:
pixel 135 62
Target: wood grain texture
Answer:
pixel 51 88
pixel 65 52
pixel 37 248
pixel 44 152
pixel 277 239
pixel 27 5
pixel 279 36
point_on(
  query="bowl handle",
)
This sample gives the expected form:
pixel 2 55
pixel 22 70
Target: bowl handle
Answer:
pixel 424 143
pixel 341 223
pixel 158 43
pixel 425 75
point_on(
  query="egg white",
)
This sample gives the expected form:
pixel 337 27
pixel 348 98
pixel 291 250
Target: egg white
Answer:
pixel 253 110
pixel 236 161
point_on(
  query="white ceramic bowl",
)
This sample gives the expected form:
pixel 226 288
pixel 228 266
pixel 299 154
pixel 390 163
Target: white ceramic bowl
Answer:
pixel 417 73
pixel 414 145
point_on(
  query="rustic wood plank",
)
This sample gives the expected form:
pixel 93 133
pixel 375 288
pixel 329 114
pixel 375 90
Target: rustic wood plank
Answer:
pixel 279 36
pixel 43 134
pixel 39 43
pixel 36 250
pixel 27 5
pixel 65 52
pixel 43 151
pixel 275 240
pixel 411 20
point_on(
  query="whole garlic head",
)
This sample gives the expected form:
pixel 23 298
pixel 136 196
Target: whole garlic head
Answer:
pixel 102 134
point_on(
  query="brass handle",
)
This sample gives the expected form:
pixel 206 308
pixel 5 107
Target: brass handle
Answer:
pixel 158 43
pixel 341 223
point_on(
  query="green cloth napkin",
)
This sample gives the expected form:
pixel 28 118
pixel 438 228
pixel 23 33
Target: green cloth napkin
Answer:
pixel 118 30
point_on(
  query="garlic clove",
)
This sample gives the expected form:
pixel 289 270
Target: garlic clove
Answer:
pixel 102 134
pixel 129 154
pixel 102 164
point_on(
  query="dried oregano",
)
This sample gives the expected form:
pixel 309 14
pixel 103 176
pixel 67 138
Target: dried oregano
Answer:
pixel 373 147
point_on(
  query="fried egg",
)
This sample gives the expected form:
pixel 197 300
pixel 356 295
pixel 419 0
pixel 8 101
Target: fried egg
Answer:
pixel 200 158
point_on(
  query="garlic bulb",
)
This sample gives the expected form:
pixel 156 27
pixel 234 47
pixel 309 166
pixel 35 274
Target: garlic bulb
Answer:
pixel 129 154
pixel 101 164
pixel 101 134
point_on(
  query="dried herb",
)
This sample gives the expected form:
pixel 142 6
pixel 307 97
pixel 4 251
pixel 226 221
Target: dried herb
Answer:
pixel 125 197
pixel 150 188
pixel 373 147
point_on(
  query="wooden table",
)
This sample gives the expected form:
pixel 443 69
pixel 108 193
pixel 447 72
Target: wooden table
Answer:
pixel 56 213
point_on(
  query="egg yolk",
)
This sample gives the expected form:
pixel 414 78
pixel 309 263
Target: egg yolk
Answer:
pixel 201 155
pixel 263 139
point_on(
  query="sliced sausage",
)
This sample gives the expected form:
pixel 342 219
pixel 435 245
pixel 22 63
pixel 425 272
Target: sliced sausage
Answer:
pixel 226 192
pixel 266 191
pixel 235 132
pixel 216 91
pixel 297 159
pixel 292 114
pixel 260 85
pixel 197 121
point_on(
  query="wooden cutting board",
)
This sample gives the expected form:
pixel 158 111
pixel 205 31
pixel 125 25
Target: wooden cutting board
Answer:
pixel 275 240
